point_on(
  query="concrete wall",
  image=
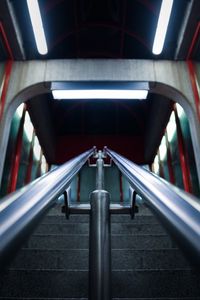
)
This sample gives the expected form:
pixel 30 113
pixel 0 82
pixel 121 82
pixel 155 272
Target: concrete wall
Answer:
pixel 31 78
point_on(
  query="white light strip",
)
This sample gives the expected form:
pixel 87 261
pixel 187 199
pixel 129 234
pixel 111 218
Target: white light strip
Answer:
pixel 156 164
pixel 163 149
pixel 100 94
pixel 36 149
pixel 180 110
pixel 43 165
pixel 28 127
pixel 36 20
pixel 19 110
pixel 162 25
pixel 171 127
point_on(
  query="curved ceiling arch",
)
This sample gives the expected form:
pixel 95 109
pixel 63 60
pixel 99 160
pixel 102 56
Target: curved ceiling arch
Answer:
pixel 45 87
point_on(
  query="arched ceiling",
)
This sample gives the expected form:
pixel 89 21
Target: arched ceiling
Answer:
pixel 98 29
pixel 115 29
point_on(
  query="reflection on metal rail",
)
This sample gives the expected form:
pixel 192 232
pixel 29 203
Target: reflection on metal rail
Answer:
pixel 178 211
pixel 21 211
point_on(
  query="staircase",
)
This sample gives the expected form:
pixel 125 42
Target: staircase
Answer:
pixel 53 264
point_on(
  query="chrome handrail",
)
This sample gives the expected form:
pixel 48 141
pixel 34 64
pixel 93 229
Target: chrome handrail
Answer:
pixel 177 210
pixel 21 211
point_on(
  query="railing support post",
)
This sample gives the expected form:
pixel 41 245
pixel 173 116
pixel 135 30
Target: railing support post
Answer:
pixel 100 247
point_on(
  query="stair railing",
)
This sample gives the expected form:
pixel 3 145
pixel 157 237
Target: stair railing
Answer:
pixel 177 210
pixel 21 211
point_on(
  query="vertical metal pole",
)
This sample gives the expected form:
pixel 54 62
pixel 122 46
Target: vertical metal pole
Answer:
pixel 38 172
pixel 183 155
pixel 100 244
pixel 169 160
pixel 100 172
pixel 78 187
pixel 193 80
pixel 30 161
pixel 17 155
pixel 161 171
pixel 121 187
pixel 4 87
pixel 7 72
pixel 192 69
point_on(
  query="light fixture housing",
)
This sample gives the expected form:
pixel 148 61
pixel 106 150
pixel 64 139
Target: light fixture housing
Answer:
pixel 38 29
pixel 100 94
pixel 162 25
pixel 171 127
pixel 100 90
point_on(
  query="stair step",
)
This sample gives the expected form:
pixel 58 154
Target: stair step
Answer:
pixel 78 259
pixel 182 298
pixel 147 219
pixel 145 261
pixel 76 228
pixel 156 283
pixel 81 241
pixel 140 283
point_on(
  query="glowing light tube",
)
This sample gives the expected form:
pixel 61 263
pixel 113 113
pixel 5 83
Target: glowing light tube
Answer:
pixel 36 21
pixel 162 25
pixel 99 94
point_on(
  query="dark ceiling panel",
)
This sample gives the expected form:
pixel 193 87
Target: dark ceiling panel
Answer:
pixel 100 41
pixel 99 116
pixel 101 29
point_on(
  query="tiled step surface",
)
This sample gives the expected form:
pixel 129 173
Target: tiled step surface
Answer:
pixel 183 298
pixel 78 259
pixel 146 263
pixel 54 219
pixel 116 228
pixel 119 241
pixel 140 283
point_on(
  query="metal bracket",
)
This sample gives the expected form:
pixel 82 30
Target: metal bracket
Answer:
pixel 65 208
pixel 133 200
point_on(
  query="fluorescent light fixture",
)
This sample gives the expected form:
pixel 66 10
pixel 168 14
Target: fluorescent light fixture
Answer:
pixel 43 165
pixel 28 127
pixel 162 25
pixel 36 20
pixel 19 110
pixel 36 149
pixel 156 164
pixel 100 94
pixel 180 110
pixel 163 149
pixel 171 127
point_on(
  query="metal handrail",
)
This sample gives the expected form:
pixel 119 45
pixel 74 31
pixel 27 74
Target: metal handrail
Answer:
pixel 21 211
pixel 177 210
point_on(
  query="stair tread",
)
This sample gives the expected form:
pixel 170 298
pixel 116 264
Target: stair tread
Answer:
pixel 155 283
pixel 144 260
pixel 182 298
pixel 78 228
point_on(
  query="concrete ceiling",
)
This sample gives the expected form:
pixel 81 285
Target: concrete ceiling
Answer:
pixel 99 29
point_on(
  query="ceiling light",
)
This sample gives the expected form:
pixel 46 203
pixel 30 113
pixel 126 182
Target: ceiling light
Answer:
pixel 36 20
pixel 100 94
pixel 36 149
pixel 156 164
pixel 43 165
pixel 28 127
pixel 162 25
pixel 163 149
pixel 19 110
pixel 180 110
pixel 171 127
